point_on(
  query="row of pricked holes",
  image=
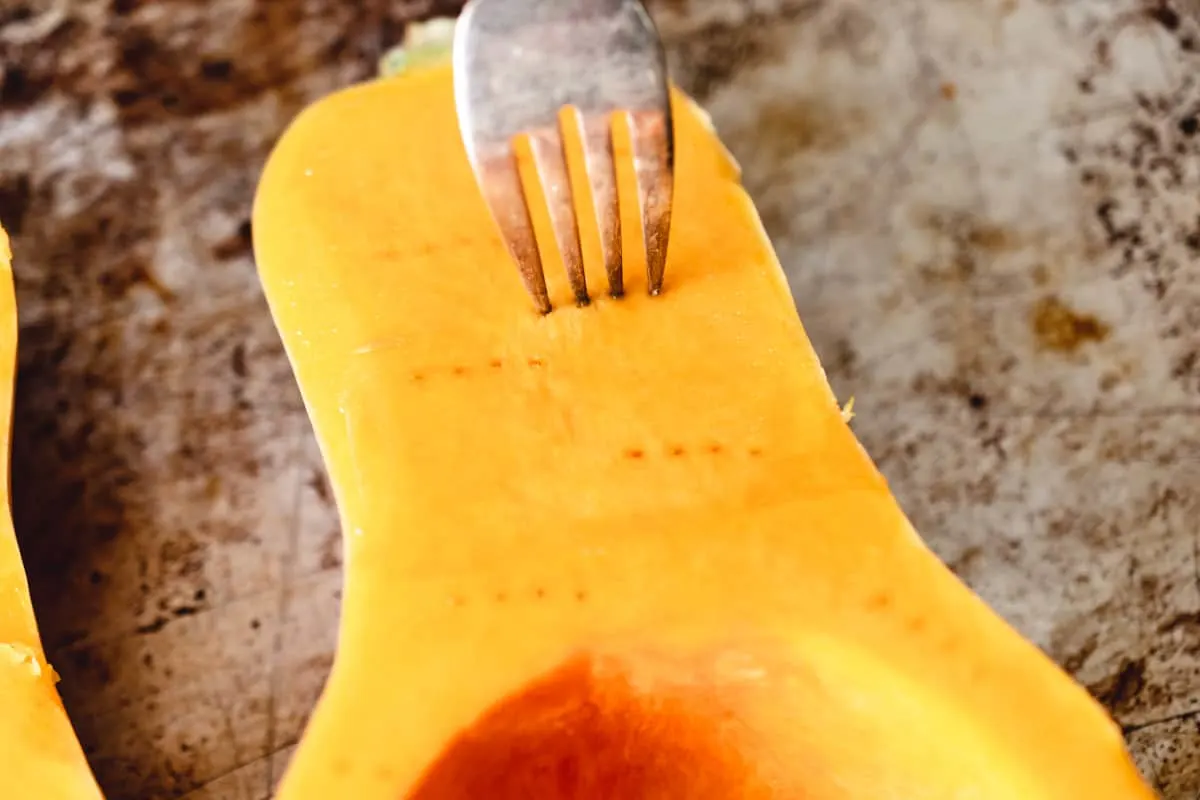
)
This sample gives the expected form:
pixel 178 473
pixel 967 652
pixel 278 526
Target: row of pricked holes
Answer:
pixel 633 453
pixel 461 371
pixel 880 602
pixel 679 451
pixel 458 601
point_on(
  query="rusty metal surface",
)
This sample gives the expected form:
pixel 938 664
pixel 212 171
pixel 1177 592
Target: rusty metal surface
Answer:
pixel 989 211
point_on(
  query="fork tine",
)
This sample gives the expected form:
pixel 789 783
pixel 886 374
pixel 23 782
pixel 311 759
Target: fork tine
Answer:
pixel 652 143
pixel 505 196
pixel 601 169
pixel 550 161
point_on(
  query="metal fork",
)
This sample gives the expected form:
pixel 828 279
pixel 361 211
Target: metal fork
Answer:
pixel 527 68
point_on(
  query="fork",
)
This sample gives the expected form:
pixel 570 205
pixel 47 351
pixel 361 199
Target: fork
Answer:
pixel 537 69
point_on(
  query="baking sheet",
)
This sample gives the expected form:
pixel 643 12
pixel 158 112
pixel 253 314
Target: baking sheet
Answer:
pixel 988 211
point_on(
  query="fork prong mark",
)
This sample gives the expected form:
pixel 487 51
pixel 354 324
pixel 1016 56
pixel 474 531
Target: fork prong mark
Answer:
pixel 653 160
pixel 550 162
pixel 505 195
pixel 601 169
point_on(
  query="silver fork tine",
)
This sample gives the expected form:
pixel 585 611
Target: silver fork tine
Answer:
pixel 653 161
pixel 602 180
pixel 549 157
pixel 517 64
pixel 505 196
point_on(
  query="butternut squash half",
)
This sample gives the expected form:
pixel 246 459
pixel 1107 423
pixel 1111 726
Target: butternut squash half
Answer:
pixel 630 550
pixel 39 754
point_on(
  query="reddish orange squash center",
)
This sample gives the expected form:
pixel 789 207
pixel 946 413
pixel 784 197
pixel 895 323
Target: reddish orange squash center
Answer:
pixel 582 732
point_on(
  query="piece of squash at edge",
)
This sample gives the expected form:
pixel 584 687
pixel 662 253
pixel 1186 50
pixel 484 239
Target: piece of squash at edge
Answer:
pixel 627 550
pixel 40 756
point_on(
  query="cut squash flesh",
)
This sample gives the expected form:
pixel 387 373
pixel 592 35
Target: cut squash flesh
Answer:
pixel 39 754
pixel 625 550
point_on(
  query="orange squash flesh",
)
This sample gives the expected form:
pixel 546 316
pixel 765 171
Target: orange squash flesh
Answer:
pixel 39 754
pixel 627 550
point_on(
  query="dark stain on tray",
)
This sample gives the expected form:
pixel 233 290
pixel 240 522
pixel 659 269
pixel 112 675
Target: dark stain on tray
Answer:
pixel 185 76
pixel 705 60
pixel 1188 621
pixel 1143 241
pixel 970 242
pixel 1163 13
pixel 1059 327
pixel 1120 690
pixel 71 474
pixel 15 195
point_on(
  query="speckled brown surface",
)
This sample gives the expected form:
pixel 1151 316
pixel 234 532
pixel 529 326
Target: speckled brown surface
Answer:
pixel 989 211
